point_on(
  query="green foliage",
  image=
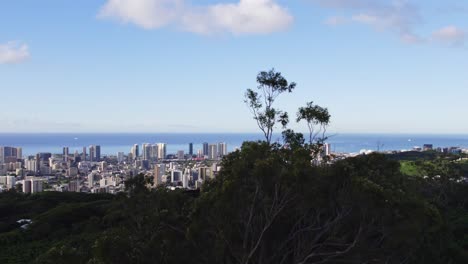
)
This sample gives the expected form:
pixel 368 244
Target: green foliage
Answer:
pixel 268 205
pixel 271 84
pixel 314 115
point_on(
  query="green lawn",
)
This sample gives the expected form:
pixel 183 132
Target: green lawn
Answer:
pixel 409 168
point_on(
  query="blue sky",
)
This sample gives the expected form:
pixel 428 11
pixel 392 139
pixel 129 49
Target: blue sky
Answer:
pixel 183 66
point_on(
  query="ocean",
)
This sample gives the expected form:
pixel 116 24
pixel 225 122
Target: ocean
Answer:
pixel 112 143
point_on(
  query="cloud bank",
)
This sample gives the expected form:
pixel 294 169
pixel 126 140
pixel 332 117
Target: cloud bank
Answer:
pixel 243 17
pixel 13 52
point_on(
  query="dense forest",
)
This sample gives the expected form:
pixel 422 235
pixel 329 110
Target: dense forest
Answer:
pixel 272 202
pixel 268 205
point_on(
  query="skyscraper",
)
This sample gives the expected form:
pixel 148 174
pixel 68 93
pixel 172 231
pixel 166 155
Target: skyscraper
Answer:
pixel 162 150
pixel 212 151
pixel 8 154
pixel 205 148
pixel 19 153
pixel 222 149
pixel 190 147
pixel 120 157
pixel 159 172
pixel 135 151
pixel 92 153
pixel 154 152
pixel 146 151
pixel 98 152
pixel 83 157
pixel 65 153
pixel 90 180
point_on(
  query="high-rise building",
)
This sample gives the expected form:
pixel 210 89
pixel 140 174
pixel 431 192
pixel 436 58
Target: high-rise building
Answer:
pixel 31 165
pixel 204 173
pixel 154 152
pixel 146 151
pixel 90 180
pixel 98 152
pixel 36 186
pixel 135 151
pixel 43 160
pixel 38 162
pixel 120 157
pixel 222 149
pixel 205 149
pixel 92 153
pixel 185 178
pixel 176 176
pixel 19 153
pixel 27 186
pixel 162 150
pixel 190 149
pixel 83 157
pixel 159 172
pixel 212 151
pixel 8 181
pixel 8 154
pixel 65 153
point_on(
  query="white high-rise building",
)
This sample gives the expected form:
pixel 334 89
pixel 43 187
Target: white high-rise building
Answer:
pixel 83 154
pixel 154 152
pixel 162 150
pixel 10 182
pixel 146 151
pixel 90 180
pixel 92 153
pixel 212 151
pixel 31 165
pixel 185 178
pixel 36 186
pixel 135 151
pixel 27 186
pixel 222 149
pixel 19 153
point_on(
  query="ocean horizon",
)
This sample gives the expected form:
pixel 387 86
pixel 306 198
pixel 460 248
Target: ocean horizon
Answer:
pixel 112 143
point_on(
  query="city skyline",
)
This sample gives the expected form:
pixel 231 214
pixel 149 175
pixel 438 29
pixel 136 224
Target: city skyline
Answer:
pixel 171 66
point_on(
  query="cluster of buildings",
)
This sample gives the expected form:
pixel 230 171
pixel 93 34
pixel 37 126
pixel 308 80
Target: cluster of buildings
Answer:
pixel 89 171
pixel 447 150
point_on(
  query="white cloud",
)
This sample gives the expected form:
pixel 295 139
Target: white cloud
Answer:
pixel 450 35
pixel 13 52
pixel 243 17
pixel 398 16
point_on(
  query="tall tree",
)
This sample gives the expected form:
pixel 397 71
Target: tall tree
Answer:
pixel 317 119
pixel 271 84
